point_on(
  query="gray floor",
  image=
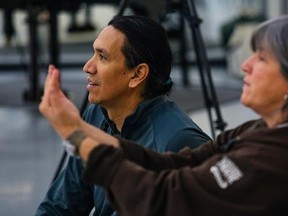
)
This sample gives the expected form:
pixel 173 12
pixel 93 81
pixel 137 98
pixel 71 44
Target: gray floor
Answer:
pixel 29 153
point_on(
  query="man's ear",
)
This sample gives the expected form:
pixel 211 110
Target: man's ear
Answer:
pixel 140 74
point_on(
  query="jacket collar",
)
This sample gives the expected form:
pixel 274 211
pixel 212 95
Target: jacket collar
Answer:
pixel 142 110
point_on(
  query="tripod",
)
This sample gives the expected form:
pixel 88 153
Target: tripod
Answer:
pixel 189 13
pixel 210 97
pixel 206 80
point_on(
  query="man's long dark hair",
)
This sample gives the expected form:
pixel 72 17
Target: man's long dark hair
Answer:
pixel 146 42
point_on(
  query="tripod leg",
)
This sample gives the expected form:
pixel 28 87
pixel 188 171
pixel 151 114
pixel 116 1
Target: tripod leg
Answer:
pixel 183 52
pixel 122 6
pixel 34 93
pixel 8 25
pixel 203 65
pixel 88 26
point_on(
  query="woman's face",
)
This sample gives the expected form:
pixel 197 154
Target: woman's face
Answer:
pixel 264 86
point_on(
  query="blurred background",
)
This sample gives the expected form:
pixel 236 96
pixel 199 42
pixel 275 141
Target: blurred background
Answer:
pixel 34 33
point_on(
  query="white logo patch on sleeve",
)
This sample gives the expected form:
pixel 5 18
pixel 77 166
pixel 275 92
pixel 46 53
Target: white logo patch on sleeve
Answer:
pixel 226 172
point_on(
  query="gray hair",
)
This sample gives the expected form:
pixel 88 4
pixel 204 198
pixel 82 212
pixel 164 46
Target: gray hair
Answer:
pixel 273 35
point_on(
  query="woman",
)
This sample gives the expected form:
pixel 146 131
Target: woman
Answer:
pixel 243 172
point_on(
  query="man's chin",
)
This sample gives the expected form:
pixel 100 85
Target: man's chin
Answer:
pixel 92 100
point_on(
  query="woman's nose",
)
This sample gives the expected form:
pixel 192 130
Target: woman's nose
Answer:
pixel 246 65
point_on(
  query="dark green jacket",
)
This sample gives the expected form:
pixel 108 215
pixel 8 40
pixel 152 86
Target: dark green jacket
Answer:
pixel 157 124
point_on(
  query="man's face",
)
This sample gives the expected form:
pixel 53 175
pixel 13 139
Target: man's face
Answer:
pixel 108 75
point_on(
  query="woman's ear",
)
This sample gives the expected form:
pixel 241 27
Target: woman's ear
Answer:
pixel 140 74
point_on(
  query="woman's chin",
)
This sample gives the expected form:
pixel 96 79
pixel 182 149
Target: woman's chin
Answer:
pixel 244 100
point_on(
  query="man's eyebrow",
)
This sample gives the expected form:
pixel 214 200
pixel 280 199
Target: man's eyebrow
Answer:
pixel 103 51
pixel 98 49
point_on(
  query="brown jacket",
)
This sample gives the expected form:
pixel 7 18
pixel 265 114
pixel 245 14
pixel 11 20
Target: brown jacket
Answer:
pixel 244 172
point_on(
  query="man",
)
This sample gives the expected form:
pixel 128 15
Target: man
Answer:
pixel 128 80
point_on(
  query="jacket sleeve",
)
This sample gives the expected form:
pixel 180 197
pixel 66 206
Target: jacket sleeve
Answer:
pixel 188 183
pixel 69 194
pixel 169 160
pixel 109 156
pixel 112 163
